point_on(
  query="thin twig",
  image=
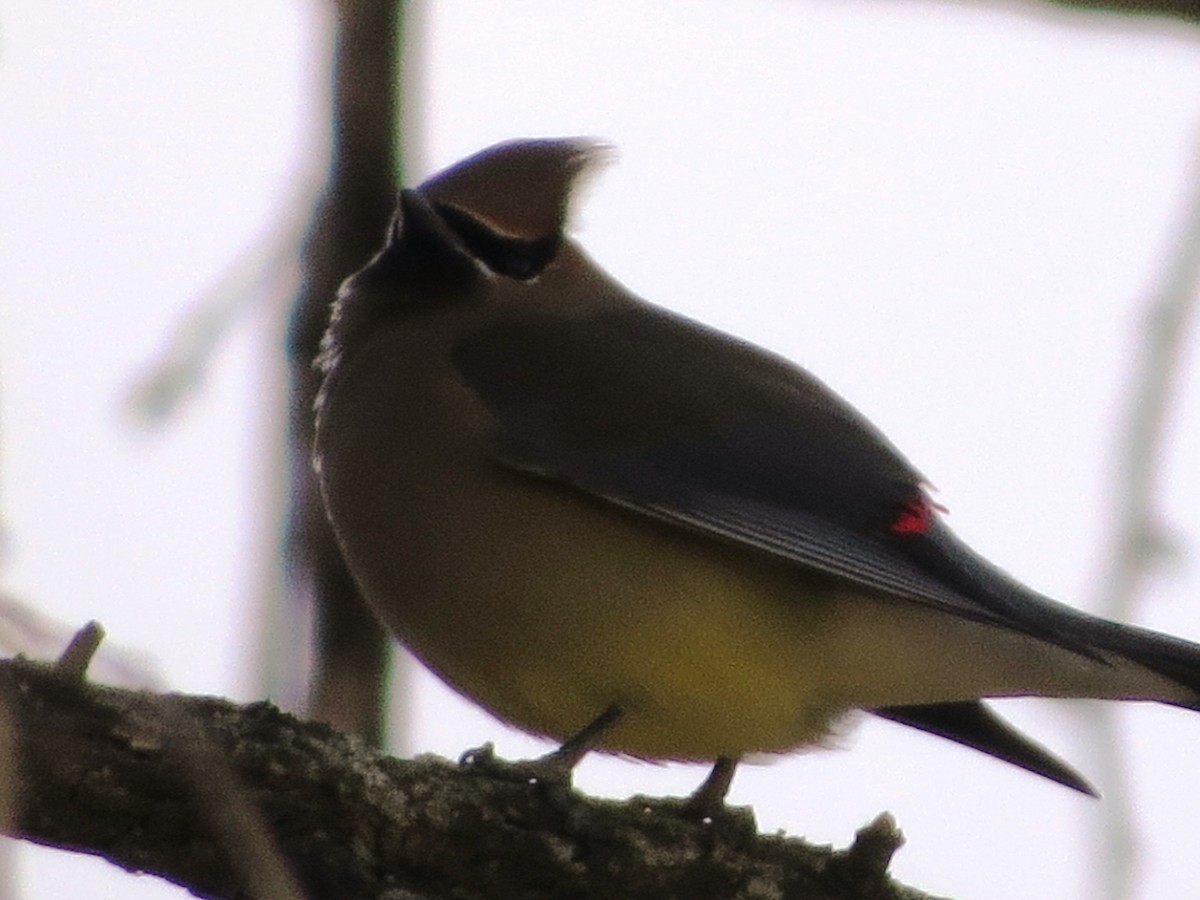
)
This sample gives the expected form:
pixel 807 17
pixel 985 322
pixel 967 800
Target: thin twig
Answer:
pixel 74 661
pixel 256 275
pixel 1139 545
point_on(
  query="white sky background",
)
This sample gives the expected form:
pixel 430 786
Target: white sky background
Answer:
pixel 953 214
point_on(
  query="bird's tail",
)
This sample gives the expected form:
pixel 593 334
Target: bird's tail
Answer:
pixel 1176 660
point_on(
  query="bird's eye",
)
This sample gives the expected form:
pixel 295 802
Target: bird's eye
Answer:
pixel 508 256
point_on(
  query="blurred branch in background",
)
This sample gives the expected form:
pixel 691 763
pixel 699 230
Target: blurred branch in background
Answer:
pixel 349 661
pixel 1187 10
pixel 351 650
pixel 259 275
pixel 1141 543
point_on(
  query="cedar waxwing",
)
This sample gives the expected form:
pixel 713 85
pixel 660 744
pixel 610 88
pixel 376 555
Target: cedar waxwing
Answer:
pixel 607 523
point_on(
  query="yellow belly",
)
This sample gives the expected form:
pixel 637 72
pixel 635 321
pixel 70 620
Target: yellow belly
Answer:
pixel 548 620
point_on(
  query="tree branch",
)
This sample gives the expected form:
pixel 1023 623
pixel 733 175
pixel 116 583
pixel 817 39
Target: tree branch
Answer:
pixel 114 773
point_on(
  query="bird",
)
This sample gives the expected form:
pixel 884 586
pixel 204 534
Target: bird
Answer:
pixel 620 529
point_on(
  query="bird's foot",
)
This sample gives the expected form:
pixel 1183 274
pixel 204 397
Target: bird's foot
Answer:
pixel 706 805
pixel 550 773
pixel 548 768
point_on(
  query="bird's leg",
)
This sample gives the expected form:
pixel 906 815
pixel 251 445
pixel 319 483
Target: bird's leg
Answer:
pixel 708 800
pixel 576 747
pixel 555 766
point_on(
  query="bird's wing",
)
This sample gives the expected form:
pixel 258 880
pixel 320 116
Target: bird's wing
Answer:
pixel 671 419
